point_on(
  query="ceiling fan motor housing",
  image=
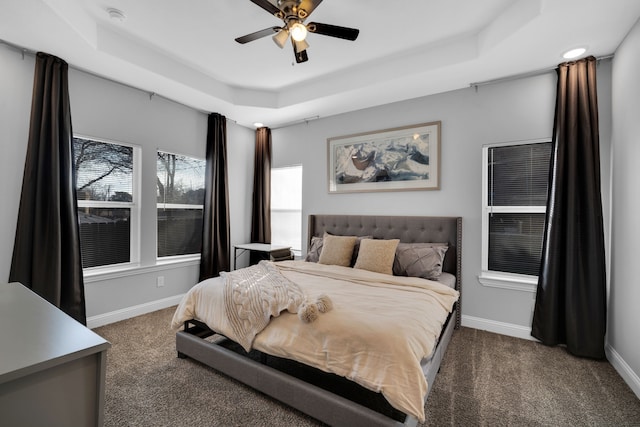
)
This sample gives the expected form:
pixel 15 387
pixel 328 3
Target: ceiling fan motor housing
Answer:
pixel 290 12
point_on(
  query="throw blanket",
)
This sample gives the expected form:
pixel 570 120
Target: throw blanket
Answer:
pixel 253 295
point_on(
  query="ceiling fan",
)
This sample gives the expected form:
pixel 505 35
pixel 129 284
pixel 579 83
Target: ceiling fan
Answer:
pixel 294 13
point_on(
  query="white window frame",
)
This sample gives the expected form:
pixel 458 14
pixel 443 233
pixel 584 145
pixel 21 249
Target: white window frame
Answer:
pixel 297 251
pixel 499 279
pixel 134 206
pixel 174 258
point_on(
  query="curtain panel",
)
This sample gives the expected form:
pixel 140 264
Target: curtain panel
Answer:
pixel 216 234
pixel 570 303
pixel 261 208
pixel 261 212
pixel 46 253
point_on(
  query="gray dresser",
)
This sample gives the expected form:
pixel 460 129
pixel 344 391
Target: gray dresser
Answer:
pixel 52 368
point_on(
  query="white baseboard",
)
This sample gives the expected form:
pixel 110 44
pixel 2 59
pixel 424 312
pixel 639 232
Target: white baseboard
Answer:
pixel 502 328
pixel 625 371
pixel 129 312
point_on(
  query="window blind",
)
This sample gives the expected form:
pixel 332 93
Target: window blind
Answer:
pixel 180 198
pixel 518 174
pixel 104 187
pixel 517 197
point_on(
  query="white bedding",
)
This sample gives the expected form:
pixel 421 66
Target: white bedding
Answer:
pixel 379 330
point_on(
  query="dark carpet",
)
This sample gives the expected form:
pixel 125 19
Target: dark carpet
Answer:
pixel 486 379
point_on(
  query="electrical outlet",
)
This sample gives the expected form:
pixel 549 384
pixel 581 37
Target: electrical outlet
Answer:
pixel 160 281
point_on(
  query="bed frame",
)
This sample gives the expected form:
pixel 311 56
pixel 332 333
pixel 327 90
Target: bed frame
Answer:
pixel 315 393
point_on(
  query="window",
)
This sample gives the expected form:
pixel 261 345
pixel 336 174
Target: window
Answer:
pixel 106 181
pixel 180 198
pixel 514 206
pixel 286 207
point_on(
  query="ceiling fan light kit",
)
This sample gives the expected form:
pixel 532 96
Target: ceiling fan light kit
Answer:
pixel 281 37
pixel 298 32
pixel 301 45
pixel 293 13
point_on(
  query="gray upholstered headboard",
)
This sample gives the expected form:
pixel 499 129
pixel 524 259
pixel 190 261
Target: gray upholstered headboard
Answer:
pixel 409 229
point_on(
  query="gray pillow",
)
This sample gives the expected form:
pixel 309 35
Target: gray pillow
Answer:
pixel 419 260
pixel 313 254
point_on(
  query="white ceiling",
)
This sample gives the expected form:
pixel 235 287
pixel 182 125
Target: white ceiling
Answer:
pixel 184 50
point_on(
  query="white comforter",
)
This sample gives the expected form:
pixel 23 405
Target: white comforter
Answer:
pixel 379 330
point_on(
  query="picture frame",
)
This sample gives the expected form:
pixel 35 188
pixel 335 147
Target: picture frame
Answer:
pixel 398 159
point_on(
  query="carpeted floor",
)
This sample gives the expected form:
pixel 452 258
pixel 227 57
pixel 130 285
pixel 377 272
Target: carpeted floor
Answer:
pixel 485 380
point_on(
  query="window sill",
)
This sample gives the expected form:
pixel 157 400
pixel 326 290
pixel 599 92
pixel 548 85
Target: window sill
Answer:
pixel 126 270
pixel 516 282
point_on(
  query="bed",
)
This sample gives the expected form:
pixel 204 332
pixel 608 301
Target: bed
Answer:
pixel 321 389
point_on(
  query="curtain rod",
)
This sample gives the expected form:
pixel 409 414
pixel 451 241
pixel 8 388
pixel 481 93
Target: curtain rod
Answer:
pixel 527 74
pixel 296 122
pixel 24 51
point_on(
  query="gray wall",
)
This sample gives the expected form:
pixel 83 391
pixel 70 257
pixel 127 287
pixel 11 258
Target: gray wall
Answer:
pixel 509 111
pixel 624 298
pixel 16 83
pixel 101 108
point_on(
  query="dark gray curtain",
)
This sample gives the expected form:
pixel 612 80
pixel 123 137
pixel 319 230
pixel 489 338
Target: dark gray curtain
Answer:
pixel 571 298
pixel 46 252
pixel 216 234
pixel 261 210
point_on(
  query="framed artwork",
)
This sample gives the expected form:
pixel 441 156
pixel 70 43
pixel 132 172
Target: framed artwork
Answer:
pixel 398 159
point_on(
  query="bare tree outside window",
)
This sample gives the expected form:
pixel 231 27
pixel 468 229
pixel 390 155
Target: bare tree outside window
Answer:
pixel 104 187
pixel 180 198
pixel 104 171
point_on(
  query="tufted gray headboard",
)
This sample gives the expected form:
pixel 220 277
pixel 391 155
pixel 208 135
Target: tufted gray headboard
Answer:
pixel 409 229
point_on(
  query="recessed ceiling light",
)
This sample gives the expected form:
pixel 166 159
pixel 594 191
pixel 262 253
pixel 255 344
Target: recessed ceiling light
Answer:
pixel 258 124
pixel 574 53
pixel 116 14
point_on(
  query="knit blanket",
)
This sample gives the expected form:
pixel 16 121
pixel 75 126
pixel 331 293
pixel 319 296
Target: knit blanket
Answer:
pixel 253 295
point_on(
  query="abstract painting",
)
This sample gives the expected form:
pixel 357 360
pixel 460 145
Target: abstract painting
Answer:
pixel 398 159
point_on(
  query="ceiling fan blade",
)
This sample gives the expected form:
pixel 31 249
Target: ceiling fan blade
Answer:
pixel 333 31
pixel 300 51
pixel 257 35
pixel 267 6
pixel 302 57
pixel 309 6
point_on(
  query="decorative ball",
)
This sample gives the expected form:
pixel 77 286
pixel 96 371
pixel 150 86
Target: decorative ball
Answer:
pixel 308 312
pixel 324 303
